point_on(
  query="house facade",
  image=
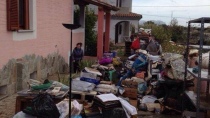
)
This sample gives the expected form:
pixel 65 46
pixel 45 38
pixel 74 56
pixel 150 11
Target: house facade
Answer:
pixel 121 20
pixel 103 26
pixel 34 43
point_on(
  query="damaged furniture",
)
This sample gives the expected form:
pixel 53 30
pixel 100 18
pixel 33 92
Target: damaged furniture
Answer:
pixel 201 101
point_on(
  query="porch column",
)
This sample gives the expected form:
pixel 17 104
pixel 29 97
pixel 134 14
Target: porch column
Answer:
pixel 100 32
pixel 107 31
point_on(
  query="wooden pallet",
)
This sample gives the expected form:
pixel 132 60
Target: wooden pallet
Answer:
pixel 83 94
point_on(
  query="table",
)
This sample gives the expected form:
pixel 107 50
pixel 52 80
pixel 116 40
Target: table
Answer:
pixel 24 100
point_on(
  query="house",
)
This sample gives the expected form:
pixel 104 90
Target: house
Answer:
pixel 121 20
pixel 103 26
pixel 34 44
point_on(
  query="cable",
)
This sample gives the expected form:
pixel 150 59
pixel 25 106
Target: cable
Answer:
pixel 164 16
pixel 175 6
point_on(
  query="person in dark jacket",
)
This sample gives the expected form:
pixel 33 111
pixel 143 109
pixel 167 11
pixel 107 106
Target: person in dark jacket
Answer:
pixel 77 56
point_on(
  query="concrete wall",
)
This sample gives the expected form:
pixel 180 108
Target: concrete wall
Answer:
pixel 50 37
pixel 17 72
pixel 127 3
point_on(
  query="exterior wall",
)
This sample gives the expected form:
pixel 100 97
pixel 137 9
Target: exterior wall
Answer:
pixel 127 4
pixel 78 36
pixel 126 33
pixel 51 35
pixel 112 2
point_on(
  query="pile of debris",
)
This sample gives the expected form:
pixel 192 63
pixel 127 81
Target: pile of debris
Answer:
pixel 144 82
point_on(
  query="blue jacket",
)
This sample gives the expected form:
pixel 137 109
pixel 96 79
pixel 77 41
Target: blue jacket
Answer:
pixel 140 63
pixel 77 54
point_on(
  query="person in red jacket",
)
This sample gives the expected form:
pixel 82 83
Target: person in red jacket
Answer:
pixel 136 43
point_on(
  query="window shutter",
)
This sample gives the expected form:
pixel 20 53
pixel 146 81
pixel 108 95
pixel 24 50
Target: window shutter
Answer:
pixel 26 14
pixel 12 15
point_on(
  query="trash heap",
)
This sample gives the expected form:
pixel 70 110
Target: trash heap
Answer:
pixel 143 81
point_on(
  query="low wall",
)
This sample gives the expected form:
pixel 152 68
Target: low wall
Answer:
pixel 17 72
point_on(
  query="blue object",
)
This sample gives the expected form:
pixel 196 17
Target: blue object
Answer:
pixel 114 53
pixel 77 116
pixel 94 81
pixel 142 87
pixel 195 70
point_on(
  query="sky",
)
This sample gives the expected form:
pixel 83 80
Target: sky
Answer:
pixel 165 10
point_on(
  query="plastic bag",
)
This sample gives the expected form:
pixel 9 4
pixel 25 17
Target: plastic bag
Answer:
pixel 43 106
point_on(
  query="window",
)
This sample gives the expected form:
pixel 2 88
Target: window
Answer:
pixel 17 15
pixel 119 3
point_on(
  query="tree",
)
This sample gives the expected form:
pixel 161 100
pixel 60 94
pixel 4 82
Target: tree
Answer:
pixel 174 22
pixel 160 32
pixel 132 28
pixel 177 32
pixel 90 33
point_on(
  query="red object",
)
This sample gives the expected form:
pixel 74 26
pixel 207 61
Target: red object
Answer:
pixel 135 44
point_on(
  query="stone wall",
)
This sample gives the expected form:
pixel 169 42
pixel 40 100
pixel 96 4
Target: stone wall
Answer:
pixel 16 73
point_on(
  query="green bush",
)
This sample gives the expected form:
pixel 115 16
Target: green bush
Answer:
pixel 86 63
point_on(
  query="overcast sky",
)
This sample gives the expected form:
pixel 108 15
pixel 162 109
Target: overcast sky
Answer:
pixel 164 10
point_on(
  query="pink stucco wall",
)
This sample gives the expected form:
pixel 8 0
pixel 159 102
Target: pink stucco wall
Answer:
pixel 51 35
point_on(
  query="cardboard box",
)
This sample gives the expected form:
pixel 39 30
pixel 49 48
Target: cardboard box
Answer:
pixel 130 93
pixel 133 102
pixel 130 84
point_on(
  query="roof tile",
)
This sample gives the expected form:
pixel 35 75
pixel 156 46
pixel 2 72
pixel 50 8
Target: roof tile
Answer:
pixel 130 14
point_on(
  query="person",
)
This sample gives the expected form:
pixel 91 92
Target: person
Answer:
pixel 132 37
pixel 152 47
pixel 140 64
pixel 136 43
pixel 77 56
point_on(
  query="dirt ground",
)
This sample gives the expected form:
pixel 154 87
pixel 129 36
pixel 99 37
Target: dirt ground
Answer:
pixel 7 107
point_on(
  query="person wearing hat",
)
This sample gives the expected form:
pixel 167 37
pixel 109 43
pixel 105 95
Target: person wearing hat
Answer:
pixel 140 64
pixel 77 56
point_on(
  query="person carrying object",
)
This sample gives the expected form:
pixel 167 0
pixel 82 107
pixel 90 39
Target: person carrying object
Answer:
pixel 140 64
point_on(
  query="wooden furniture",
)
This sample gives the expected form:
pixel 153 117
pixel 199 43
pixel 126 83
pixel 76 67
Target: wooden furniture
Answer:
pixel 25 101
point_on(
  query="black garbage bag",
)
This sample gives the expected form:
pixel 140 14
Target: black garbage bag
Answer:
pixel 114 113
pixel 43 106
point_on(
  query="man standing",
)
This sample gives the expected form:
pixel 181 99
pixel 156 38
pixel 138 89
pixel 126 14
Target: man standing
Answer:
pixel 152 48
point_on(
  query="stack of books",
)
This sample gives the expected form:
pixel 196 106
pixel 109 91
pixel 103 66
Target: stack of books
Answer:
pixel 106 101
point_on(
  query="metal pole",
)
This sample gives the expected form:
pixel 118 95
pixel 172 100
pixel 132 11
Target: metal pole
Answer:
pixel 199 68
pixel 70 70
